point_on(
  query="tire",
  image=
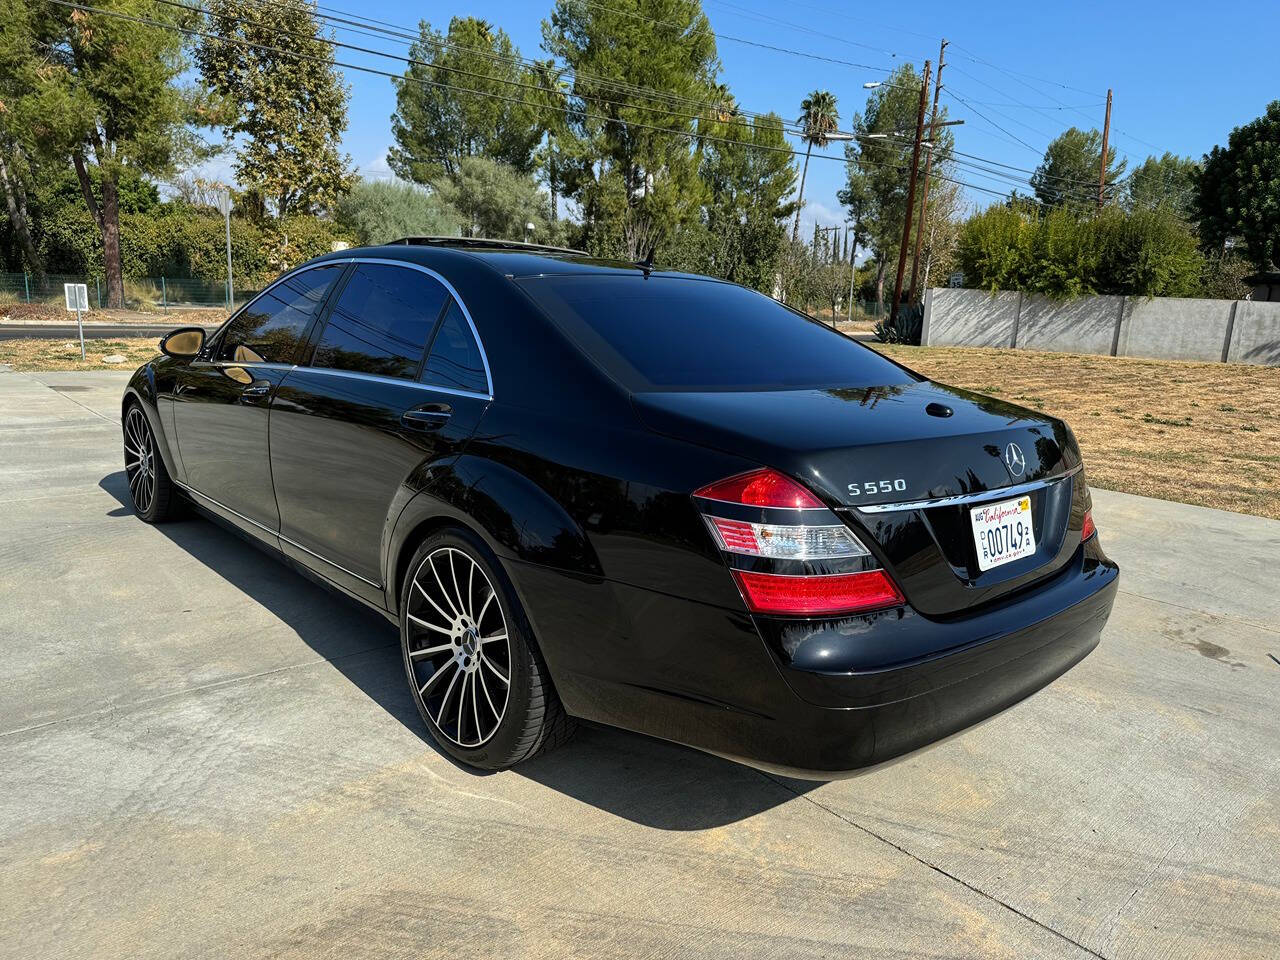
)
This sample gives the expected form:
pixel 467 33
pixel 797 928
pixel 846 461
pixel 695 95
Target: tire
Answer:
pixel 474 670
pixel 154 497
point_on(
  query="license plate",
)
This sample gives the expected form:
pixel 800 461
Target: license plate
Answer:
pixel 1002 532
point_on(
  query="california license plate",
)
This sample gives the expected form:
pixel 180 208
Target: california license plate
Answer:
pixel 1002 532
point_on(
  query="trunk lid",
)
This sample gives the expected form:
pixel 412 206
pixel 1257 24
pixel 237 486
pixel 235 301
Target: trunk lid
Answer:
pixel 878 447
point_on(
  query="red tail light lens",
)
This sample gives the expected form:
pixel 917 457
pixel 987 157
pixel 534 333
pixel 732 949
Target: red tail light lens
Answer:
pixel 819 595
pixel 1089 529
pixel 761 488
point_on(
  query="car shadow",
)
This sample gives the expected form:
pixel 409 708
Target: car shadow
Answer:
pixel 647 781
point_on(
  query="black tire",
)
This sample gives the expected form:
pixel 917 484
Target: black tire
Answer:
pixel 445 607
pixel 154 496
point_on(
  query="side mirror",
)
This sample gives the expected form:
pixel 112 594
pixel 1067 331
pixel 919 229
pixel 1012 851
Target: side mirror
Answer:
pixel 183 343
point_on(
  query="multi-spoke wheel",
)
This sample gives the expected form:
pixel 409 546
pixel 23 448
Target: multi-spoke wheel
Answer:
pixel 477 680
pixel 149 484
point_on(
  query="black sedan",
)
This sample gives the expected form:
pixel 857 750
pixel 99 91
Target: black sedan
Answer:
pixel 593 489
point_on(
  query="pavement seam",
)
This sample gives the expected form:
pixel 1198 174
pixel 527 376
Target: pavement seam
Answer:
pixel 148 701
pixel 72 399
pixel 934 867
pixel 1203 613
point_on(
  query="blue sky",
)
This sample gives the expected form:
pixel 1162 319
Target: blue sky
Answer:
pixel 1183 74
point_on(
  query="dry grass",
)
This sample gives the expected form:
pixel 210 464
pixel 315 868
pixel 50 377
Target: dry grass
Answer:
pixel 65 354
pixel 1203 433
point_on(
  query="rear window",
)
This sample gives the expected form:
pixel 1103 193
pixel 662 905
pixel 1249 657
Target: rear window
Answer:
pixel 666 333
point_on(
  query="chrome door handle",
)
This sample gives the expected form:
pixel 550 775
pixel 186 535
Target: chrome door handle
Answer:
pixel 429 416
pixel 256 390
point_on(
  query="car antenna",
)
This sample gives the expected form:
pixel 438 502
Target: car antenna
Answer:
pixel 647 263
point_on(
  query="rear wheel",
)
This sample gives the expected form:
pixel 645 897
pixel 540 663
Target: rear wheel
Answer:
pixel 150 488
pixel 476 675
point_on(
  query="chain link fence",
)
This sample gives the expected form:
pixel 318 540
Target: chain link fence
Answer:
pixel 146 294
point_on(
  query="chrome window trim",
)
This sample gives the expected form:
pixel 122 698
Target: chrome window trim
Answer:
pixel 462 304
pixel 275 533
pixel 961 498
pixel 399 381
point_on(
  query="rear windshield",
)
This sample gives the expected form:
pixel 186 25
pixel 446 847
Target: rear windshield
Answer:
pixel 667 333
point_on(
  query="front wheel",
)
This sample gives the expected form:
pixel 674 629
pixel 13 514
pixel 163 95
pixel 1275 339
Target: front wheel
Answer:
pixel 150 488
pixel 476 675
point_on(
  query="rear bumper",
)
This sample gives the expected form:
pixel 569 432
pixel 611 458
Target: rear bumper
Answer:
pixel 841 695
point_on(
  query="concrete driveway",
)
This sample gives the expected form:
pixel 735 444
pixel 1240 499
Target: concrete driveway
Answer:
pixel 203 754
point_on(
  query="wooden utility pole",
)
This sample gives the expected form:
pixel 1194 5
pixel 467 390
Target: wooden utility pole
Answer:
pixel 911 193
pixel 1102 167
pixel 928 166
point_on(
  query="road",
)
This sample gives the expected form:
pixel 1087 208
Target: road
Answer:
pixel 206 755
pixel 92 331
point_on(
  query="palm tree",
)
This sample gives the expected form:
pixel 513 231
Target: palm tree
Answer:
pixel 818 120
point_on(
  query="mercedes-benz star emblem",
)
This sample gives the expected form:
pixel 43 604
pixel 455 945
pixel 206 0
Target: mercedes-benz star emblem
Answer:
pixel 1014 459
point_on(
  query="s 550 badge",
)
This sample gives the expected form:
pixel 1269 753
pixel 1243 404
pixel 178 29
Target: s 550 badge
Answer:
pixel 871 487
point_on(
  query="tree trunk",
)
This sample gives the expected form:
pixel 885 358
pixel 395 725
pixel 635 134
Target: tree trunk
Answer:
pixel 880 282
pixel 17 204
pixel 795 230
pixel 111 241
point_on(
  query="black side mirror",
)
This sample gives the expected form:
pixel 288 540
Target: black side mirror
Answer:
pixel 183 343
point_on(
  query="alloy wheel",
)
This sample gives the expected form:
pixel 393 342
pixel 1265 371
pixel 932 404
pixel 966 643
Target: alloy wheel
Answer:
pixel 459 649
pixel 140 459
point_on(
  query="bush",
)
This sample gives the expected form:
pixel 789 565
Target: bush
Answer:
pixel 1148 252
pixel 907 328
pixel 378 212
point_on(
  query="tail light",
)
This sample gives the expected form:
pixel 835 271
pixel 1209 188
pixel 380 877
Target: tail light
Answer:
pixel 1088 530
pixel 788 553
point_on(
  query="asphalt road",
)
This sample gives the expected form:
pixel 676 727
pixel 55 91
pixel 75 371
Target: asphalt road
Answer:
pixel 205 755
pixel 92 331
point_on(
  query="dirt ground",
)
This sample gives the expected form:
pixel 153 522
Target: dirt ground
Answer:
pixel 1202 433
pixel 56 313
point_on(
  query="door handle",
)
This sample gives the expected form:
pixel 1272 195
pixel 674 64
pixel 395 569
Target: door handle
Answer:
pixel 256 390
pixel 429 416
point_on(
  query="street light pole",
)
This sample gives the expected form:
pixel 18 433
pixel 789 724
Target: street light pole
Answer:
pixel 911 193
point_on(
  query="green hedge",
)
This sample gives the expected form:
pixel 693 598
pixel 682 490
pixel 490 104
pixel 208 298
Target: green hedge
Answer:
pixel 1064 254
pixel 180 242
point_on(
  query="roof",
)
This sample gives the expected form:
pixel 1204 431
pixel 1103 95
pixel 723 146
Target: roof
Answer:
pixel 507 257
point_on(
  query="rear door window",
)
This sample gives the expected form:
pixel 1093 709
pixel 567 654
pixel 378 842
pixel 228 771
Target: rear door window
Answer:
pixel 671 333
pixel 456 361
pixel 381 321
pixel 270 329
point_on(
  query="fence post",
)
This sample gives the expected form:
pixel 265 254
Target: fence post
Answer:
pixel 164 295
pixel 97 285
pixel 26 284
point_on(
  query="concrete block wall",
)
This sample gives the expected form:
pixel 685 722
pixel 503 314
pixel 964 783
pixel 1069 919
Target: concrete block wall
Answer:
pixel 1236 331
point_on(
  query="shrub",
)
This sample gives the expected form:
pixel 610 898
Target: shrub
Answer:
pixel 377 212
pixel 994 248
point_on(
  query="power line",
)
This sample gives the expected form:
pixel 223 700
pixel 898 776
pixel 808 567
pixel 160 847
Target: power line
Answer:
pixel 691 135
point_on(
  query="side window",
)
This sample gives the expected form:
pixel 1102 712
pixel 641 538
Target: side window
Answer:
pixel 381 322
pixel 455 360
pixel 269 329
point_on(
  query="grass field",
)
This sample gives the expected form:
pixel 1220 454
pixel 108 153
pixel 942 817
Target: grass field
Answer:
pixel 1204 433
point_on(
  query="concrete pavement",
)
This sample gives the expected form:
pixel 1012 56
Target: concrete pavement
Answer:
pixel 204 754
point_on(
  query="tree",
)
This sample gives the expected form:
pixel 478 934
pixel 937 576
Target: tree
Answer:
pixel 818 120
pixel 1068 174
pixel 435 126
pixel 378 212
pixel 749 177
pixel 100 93
pixel 1238 195
pixel 273 67
pixel 879 167
pixel 1164 181
pixel 627 157
pixel 495 200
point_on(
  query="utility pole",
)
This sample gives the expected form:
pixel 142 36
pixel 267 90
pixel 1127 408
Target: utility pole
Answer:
pixel 911 193
pixel 928 166
pixel 1102 167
